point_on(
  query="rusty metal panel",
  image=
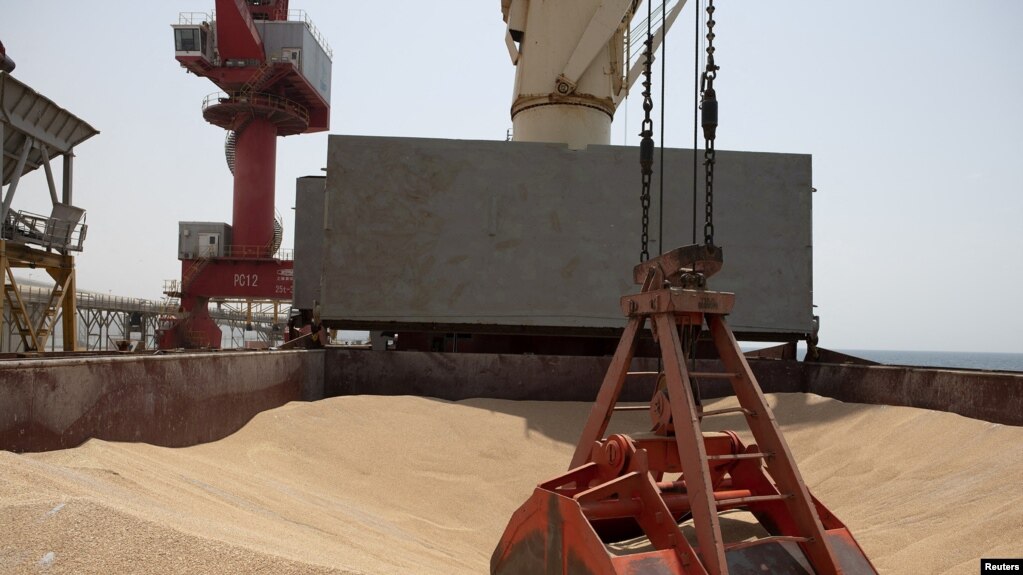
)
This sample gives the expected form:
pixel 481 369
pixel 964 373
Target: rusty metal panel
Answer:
pixel 987 395
pixel 519 377
pixel 990 396
pixel 492 236
pixel 169 400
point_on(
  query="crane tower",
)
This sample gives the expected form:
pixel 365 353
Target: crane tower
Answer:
pixel 574 65
pixel 273 69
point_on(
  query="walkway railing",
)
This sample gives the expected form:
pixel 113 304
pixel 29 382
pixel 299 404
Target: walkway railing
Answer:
pixel 45 231
pixel 296 15
pixel 257 99
pixel 109 302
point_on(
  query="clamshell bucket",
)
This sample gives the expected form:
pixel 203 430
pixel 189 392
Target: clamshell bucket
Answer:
pixel 650 502
pixel 616 528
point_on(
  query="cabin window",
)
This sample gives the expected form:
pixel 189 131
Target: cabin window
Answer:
pixel 186 39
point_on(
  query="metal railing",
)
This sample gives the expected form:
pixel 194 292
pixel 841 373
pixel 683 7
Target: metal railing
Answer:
pixel 93 300
pixel 158 314
pixel 45 231
pixel 195 18
pixel 298 15
pixel 90 300
pixel 253 252
pixel 171 287
pixel 294 15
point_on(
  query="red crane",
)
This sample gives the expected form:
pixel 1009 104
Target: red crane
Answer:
pixel 273 69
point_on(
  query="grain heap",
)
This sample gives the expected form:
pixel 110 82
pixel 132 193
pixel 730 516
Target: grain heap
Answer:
pixel 415 485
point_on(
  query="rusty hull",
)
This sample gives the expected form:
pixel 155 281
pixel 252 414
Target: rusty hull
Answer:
pixel 992 396
pixel 169 400
pixel 178 400
pixel 988 395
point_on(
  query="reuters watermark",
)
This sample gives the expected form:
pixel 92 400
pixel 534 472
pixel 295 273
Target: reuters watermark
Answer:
pixel 999 566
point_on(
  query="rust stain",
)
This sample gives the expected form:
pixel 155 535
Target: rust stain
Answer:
pixel 569 270
pixel 456 260
pixel 172 402
pixel 507 244
pixel 457 293
pixel 555 222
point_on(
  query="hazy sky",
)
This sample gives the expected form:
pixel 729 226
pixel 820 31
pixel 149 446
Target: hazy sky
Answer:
pixel 912 110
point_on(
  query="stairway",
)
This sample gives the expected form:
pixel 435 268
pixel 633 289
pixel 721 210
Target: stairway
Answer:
pixel 278 237
pixel 230 145
pixel 193 271
pixel 256 81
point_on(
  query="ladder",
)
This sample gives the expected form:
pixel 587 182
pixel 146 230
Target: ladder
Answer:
pixel 257 80
pixel 193 271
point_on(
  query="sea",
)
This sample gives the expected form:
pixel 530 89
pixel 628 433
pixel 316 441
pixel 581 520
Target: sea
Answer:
pixel 955 359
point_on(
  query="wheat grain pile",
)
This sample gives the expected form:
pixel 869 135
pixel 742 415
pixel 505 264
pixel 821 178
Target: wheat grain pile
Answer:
pixel 415 485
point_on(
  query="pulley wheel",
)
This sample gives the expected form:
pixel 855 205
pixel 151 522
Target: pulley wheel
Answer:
pixel 660 408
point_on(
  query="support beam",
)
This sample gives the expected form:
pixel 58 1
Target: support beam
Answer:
pixel 21 317
pixel 62 298
pixel 602 26
pixel 22 307
pixel 689 443
pixel 49 175
pixel 237 37
pixel 22 256
pixel 69 164
pixel 3 280
pixel 614 379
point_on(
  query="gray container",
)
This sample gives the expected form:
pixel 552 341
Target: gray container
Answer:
pixel 484 236
pixel 203 239
pixel 293 41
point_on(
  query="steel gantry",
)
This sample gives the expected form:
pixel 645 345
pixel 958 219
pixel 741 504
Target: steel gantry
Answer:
pixel 34 130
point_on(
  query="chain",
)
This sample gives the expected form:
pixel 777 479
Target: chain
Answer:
pixel 709 116
pixel 708 216
pixel 646 146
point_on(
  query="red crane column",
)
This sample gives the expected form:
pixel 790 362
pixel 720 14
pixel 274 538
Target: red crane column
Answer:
pixel 255 171
pixel 271 87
